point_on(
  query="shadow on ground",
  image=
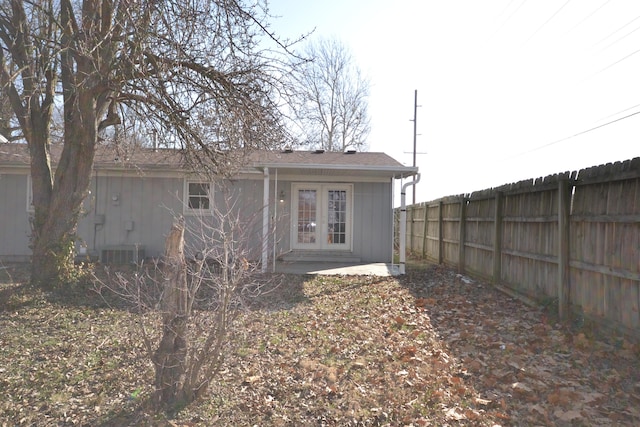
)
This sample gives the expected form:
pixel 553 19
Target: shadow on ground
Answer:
pixel 523 362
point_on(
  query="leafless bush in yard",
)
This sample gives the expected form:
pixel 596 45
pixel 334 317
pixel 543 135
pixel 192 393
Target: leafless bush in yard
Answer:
pixel 192 296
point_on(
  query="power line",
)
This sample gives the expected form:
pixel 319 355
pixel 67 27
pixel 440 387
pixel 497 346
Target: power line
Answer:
pixel 506 7
pixel 588 16
pixel 546 22
pixel 619 112
pixel 618 30
pixel 618 61
pixel 508 17
pixel 618 39
pixel 573 136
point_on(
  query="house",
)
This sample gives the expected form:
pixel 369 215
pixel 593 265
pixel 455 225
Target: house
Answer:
pixel 298 205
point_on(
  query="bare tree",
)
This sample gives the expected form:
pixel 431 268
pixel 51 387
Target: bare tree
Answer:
pixel 5 118
pixel 173 62
pixel 331 99
pixel 194 293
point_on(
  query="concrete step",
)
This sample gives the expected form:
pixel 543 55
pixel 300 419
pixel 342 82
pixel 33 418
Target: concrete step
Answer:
pixel 319 256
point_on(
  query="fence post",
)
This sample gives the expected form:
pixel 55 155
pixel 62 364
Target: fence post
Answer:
pixel 440 230
pixel 461 234
pixel 412 228
pixel 564 207
pixel 497 239
pixel 425 225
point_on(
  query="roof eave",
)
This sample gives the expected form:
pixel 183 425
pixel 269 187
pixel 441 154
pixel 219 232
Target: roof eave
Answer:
pixel 392 170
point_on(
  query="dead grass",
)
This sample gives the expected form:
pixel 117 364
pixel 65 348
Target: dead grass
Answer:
pixel 431 348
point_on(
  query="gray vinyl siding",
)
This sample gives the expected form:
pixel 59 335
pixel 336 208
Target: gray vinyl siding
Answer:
pixel 246 197
pixel 372 221
pixel 282 217
pixel 14 218
pixel 146 205
pixel 150 205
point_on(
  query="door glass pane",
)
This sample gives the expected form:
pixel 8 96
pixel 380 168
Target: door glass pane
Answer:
pixel 337 217
pixel 307 216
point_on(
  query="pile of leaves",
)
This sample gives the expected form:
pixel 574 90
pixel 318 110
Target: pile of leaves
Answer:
pixel 429 348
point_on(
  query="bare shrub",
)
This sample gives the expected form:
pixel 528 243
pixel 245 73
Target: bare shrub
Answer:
pixel 189 299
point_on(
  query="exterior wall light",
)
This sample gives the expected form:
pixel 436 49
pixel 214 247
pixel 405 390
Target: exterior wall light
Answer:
pixel 282 196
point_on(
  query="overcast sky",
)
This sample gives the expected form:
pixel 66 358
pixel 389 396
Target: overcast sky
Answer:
pixel 503 85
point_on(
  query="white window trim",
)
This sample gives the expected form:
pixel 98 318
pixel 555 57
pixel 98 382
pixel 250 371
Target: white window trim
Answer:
pixel 185 200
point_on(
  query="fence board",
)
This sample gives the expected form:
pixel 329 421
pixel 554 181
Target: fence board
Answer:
pixel 451 231
pixel 600 273
pixel 479 230
pixel 605 246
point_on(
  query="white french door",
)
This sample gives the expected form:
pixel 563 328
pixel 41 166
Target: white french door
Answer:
pixel 321 216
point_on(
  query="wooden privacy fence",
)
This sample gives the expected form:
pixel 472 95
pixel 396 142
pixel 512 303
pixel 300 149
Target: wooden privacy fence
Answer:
pixel 573 238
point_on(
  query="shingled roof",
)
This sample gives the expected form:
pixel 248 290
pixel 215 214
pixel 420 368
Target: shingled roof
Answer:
pixel 114 157
pixel 107 156
pixel 325 158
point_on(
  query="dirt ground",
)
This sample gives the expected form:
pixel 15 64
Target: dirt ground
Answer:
pixel 428 348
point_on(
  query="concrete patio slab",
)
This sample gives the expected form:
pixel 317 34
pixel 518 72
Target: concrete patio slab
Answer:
pixel 337 268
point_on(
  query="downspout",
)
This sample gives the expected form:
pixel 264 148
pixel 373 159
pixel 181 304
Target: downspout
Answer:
pixel 275 220
pixel 265 222
pixel 393 219
pixel 403 223
pixel 95 213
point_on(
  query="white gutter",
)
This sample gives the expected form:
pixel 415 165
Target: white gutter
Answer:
pixel 343 167
pixel 265 222
pixel 403 223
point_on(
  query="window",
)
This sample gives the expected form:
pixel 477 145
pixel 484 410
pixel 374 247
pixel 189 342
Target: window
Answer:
pixel 307 216
pixel 198 196
pixel 337 216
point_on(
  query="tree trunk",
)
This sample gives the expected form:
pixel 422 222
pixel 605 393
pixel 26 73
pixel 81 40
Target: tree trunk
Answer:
pixel 51 261
pixel 58 203
pixel 170 358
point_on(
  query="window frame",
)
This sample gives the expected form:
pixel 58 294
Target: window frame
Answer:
pixel 187 209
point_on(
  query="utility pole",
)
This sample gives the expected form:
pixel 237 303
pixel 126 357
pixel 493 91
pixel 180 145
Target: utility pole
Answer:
pixel 415 134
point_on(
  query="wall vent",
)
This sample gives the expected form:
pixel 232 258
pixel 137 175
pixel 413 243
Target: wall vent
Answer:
pixel 122 254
